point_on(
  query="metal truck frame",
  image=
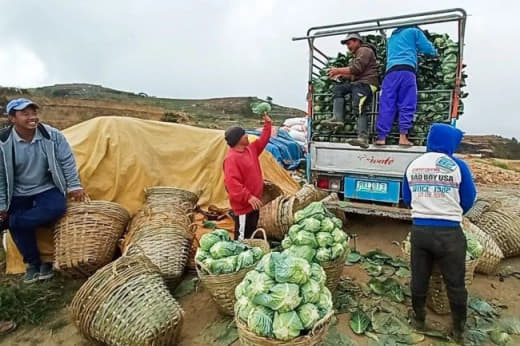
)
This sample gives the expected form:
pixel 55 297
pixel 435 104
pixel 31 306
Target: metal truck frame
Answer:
pixel 370 179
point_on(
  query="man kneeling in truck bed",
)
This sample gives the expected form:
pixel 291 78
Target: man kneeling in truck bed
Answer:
pixel 361 81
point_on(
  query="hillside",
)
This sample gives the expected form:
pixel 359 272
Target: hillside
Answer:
pixel 491 146
pixel 67 104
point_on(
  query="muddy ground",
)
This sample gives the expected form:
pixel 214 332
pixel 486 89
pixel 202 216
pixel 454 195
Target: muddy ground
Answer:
pixel 200 312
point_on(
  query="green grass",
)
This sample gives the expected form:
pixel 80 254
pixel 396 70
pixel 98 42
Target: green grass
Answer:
pixel 35 303
pixel 499 164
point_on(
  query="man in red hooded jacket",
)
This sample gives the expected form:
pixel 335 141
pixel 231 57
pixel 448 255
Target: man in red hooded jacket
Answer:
pixel 243 177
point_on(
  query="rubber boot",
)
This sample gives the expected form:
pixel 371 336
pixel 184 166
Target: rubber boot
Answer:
pixel 458 314
pixel 418 314
pixel 338 112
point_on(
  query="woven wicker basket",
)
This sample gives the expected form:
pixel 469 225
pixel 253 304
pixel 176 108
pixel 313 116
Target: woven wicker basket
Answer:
pixel 271 191
pixel 157 215
pixel 315 336
pixel 222 287
pixel 171 194
pixel 306 195
pixel 127 303
pixel 437 298
pixel 333 270
pixel 492 255
pixel 167 247
pixel 286 214
pixel 86 237
pixel 504 228
pixel 261 243
pixel 268 219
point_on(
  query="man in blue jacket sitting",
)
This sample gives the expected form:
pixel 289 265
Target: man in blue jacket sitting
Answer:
pixel 37 171
pixel 440 189
pixel 399 89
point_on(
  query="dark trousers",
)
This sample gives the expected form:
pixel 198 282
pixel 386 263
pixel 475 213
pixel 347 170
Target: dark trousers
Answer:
pixel 246 224
pixel 361 98
pixel 446 246
pixel 27 213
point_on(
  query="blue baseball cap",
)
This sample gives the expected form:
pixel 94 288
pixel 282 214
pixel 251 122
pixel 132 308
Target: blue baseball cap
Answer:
pixel 19 104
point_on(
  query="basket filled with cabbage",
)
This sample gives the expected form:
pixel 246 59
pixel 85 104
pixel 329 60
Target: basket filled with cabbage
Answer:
pixel 222 263
pixel 437 298
pixel 284 301
pixel 318 237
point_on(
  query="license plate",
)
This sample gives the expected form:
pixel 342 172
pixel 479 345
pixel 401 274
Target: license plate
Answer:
pixel 371 186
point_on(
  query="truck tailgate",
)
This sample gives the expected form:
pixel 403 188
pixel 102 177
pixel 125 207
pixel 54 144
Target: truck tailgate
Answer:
pixel 389 161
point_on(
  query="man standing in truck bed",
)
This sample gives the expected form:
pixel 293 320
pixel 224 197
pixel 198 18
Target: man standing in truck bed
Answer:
pixel 361 80
pixel 399 89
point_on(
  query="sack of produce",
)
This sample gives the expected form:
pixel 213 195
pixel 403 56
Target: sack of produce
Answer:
pixel 222 263
pixel 284 300
pixel 318 236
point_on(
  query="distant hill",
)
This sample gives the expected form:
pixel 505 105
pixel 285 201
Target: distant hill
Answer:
pixel 491 146
pixel 68 104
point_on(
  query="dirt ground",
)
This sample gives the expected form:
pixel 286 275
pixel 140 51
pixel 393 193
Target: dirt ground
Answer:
pixel 372 233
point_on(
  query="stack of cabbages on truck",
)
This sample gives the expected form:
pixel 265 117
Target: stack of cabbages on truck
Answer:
pixel 316 236
pixel 218 254
pixel 283 298
pixel 435 78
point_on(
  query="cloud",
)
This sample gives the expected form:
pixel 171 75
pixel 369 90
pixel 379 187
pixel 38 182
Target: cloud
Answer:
pixel 202 48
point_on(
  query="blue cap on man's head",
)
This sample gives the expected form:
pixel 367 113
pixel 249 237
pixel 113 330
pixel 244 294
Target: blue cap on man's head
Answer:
pixel 19 104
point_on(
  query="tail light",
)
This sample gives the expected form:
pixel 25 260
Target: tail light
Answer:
pixel 323 182
pixel 334 184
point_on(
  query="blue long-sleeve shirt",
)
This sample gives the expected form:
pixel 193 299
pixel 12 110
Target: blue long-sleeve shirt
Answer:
pixel 403 46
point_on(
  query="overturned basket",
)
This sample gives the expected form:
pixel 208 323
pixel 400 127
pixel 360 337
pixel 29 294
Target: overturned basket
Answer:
pixel 173 195
pixel 333 270
pixel 504 228
pixel 491 256
pixel 167 247
pixel 127 303
pixel 86 237
pixel 315 336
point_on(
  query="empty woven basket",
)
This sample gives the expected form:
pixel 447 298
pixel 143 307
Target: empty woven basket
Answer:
pixel 504 228
pixel 167 247
pixel 492 254
pixel 86 237
pixel 127 303
pixel 184 198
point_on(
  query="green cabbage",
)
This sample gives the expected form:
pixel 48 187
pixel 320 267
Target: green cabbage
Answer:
pixel 287 326
pixel 324 239
pixel 327 225
pixel 325 302
pixel 286 243
pixel 208 240
pixel 305 238
pixel 223 249
pixel 240 247
pixel 303 251
pixel 311 224
pixel 222 234
pixel 293 230
pixel 311 291
pixel 291 269
pixel 323 254
pixel 242 288
pixel 336 251
pixel 339 236
pixel 262 283
pixel 266 264
pixel 474 248
pixel 337 222
pixel 281 297
pixel 318 274
pixel 260 321
pixel 261 108
pixel 201 255
pixel 312 209
pixel 243 307
pixel 309 315
pixel 245 260
pixel 223 266
pixel 258 253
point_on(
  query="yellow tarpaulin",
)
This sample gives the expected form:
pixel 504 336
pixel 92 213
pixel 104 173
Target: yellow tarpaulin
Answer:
pixel 118 158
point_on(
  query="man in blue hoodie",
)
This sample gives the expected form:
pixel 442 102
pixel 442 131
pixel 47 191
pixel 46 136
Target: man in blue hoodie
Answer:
pixel 440 189
pixel 399 89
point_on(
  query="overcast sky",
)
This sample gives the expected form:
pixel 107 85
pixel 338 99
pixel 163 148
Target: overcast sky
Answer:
pixel 203 49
